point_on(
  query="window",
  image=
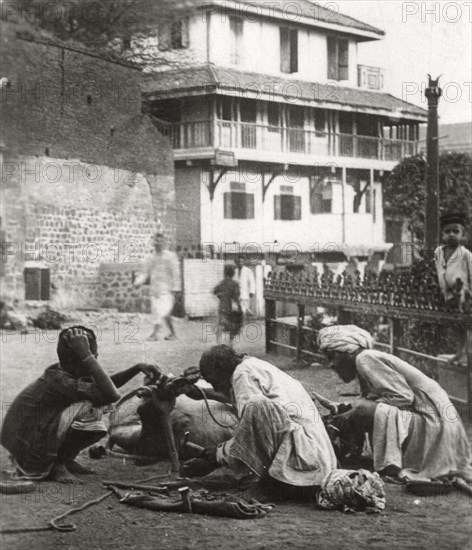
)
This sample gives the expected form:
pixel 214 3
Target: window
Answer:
pixel 338 58
pixel 173 35
pixel 37 283
pixel 236 25
pixel 239 206
pixel 287 207
pixel 288 50
pixel 321 196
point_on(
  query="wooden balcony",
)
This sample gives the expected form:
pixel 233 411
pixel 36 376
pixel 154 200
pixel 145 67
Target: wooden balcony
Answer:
pixel 275 139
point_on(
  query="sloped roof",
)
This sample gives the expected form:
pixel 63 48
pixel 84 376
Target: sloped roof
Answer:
pixel 205 79
pixel 303 11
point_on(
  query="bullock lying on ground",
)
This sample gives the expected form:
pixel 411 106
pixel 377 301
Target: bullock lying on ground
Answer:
pixel 137 427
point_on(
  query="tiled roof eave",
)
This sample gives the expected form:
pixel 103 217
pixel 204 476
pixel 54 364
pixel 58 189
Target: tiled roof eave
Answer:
pixel 420 115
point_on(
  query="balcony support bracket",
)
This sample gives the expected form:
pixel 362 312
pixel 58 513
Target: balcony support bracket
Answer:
pixel 215 178
pixel 266 185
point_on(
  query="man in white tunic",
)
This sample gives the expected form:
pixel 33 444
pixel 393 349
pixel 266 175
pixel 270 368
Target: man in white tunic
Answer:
pixel 280 434
pixel 162 270
pixel 247 283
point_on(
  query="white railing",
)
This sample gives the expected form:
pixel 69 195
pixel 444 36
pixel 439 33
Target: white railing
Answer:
pixel 277 139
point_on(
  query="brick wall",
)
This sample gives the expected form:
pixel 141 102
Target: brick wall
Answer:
pixel 86 177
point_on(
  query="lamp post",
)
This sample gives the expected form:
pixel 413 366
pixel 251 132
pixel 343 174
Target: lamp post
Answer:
pixel 433 92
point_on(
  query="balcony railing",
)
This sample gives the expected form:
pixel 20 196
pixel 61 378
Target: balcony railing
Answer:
pixel 276 139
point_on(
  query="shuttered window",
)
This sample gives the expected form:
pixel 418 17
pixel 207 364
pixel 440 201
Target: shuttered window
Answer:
pixel 287 207
pixel 236 25
pixel 239 206
pixel 288 50
pixel 173 35
pixel 338 58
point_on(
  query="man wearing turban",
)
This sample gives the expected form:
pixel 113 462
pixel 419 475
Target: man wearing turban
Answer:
pixel 416 430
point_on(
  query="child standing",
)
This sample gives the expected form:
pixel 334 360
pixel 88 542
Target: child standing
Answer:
pixel 230 315
pixel 453 262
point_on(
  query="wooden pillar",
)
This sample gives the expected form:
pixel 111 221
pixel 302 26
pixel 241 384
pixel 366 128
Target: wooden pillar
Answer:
pixel 395 334
pixel 300 324
pixel 270 313
pixel 343 214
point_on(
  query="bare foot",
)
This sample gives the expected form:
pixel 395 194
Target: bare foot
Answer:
pixel 77 468
pixel 171 337
pixel 62 475
pixel 153 338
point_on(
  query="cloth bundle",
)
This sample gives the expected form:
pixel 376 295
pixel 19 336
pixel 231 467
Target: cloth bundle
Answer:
pixel 352 491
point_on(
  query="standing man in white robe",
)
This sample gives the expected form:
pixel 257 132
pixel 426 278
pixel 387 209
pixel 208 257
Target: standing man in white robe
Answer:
pixel 247 283
pixel 162 271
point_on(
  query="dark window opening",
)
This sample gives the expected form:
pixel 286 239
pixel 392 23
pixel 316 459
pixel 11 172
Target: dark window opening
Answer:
pixel 367 125
pixel 321 196
pixel 37 283
pixel 338 58
pixel 288 50
pixel 287 207
pixel 273 117
pixel 239 206
pixel 173 35
pixel 320 120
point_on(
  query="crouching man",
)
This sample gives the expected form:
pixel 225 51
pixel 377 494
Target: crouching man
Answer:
pixel 280 435
pixel 59 414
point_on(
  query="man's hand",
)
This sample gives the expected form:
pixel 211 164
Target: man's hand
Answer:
pixel 152 372
pixel 79 343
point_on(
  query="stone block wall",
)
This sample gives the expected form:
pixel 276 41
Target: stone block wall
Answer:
pixel 117 290
pixel 86 178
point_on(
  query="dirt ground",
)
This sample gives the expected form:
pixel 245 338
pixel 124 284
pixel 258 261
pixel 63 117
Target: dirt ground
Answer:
pixel 408 522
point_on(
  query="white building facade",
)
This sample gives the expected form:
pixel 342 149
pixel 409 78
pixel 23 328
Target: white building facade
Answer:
pixel 280 137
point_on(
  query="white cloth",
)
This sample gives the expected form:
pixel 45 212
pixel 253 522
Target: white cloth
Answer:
pixel 459 266
pixel 344 339
pixel 247 282
pixel 161 306
pixel 416 427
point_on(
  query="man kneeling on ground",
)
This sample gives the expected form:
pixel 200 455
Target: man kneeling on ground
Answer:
pixel 280 435
pixel 59 414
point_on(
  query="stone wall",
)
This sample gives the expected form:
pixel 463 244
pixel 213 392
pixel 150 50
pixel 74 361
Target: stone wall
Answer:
pixel 86 178
pixel 117 290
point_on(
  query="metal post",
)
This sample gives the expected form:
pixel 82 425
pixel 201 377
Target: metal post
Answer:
pixel 300 324
pixel 395 334
pixel 432 93
pixel 270 313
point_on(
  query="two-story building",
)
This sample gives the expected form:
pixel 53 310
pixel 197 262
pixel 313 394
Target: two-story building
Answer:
pixel 280 135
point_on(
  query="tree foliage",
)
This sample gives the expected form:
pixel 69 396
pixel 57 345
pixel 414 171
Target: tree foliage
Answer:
pixel 97 22
pixel 405 189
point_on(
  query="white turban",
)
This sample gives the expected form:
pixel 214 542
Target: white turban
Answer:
pixel 344 338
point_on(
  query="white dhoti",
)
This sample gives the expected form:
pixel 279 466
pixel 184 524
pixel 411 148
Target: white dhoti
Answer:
pixel 161 306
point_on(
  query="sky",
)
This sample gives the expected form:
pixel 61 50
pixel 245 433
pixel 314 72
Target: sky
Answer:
pixel 418 42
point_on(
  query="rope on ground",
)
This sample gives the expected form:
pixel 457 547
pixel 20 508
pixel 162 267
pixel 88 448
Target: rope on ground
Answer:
pixel 53 523
pixel 228 427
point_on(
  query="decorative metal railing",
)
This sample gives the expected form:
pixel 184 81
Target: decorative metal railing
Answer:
pixel 415 292
pixel 398 299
